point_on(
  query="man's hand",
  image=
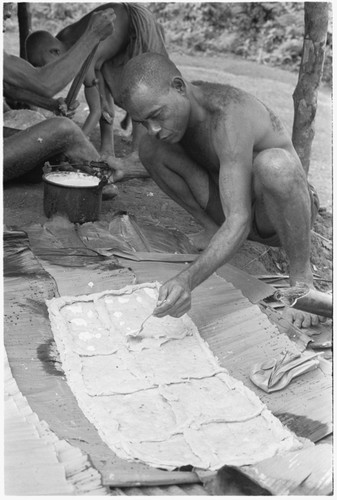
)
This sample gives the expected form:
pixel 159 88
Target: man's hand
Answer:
pixel 63 109
pixel 174 298
pixel 102 23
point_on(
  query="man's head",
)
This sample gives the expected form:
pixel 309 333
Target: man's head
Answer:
pixel 42 48
pixel 155 94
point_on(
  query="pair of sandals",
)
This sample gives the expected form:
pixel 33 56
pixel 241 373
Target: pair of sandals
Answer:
pixel 275 374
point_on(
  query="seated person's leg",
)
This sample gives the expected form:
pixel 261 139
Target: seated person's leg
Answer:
pixel 32 147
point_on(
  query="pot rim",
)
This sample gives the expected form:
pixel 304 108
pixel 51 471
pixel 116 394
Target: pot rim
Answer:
pixel 67 186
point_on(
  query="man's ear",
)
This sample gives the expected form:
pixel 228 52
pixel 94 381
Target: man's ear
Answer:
pixel 179 84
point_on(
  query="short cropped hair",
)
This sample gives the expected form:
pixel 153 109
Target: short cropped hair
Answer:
pixel 34 44
pixel 156 71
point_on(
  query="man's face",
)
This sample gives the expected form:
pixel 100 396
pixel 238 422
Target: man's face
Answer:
pixel 165 113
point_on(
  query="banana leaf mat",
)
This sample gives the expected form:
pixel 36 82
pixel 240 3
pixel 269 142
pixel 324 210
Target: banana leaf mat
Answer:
pixel 237 331
pixel 29 345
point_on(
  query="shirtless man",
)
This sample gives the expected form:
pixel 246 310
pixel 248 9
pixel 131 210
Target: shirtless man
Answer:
pixel 133 22
pixel 227 159
pixel 31 147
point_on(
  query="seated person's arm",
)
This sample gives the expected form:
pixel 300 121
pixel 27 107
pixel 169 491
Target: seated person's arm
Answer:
pixel 27 96
pixel 50 79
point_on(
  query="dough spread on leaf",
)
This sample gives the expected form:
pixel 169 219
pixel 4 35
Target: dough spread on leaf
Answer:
pixel 160 396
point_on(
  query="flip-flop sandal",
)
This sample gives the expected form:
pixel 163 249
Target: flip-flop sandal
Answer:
pixel 275 374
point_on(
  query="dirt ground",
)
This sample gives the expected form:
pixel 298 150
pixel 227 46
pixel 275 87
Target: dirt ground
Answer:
pixel 23 203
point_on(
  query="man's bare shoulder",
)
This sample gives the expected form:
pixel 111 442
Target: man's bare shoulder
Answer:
pixel 219 96
pixel 238 110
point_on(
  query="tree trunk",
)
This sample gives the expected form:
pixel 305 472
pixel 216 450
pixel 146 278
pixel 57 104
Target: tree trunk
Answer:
pixel 25 25
pixel 316 16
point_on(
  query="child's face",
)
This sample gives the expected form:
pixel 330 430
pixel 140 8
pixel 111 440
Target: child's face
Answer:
pixel 51 52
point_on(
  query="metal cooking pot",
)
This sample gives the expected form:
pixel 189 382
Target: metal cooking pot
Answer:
pixel 74 194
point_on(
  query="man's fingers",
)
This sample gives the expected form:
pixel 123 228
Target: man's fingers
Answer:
pixel 74 105
pixel 166 303
pixel 102 22
pixel 176 311
pixel 174 306
pixel 180 311
pixel 107 117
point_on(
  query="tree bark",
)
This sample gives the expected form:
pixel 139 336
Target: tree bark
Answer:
pixel 25 25
pixel 316 16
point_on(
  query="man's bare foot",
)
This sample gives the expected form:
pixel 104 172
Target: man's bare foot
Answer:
pixel 302 319
pixel 129 167
pixel 201 240
pixel 305 305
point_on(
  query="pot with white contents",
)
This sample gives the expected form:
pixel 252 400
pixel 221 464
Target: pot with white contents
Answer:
pixel 75 194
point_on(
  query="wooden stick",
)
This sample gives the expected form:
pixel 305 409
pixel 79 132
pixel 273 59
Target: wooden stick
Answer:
pixel 151 478
pixel 306 299
pixel 77 82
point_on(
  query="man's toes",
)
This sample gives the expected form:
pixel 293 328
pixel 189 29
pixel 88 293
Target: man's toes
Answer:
pixel 307 320
pixel 109 192
pixel 298 321
pixel 314 320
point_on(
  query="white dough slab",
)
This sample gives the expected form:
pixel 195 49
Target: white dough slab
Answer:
pixel 161 397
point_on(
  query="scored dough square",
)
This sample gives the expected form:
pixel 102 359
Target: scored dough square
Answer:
pixel 124 372
pixel 88 332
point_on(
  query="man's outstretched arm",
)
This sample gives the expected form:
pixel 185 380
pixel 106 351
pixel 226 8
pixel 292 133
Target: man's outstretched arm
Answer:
pixel 50 79
pixel 235 182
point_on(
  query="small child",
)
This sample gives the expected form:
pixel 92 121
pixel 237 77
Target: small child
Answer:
pixel 136 31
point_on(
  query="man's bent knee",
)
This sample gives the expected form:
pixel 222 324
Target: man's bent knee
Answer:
pixel 278 170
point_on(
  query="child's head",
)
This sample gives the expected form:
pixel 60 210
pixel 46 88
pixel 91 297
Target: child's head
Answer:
pixel 42 48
